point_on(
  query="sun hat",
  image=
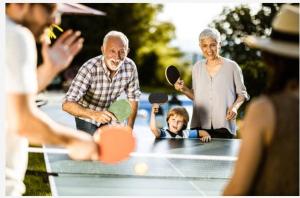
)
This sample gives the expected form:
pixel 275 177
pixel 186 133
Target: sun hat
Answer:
pixel 284 38
pixel 77 8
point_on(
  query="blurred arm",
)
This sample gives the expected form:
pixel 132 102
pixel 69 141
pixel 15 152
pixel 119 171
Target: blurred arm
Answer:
pixel 58 57
pixel 259 121
pixel 28 121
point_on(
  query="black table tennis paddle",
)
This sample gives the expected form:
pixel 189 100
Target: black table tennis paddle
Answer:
pixel 172 74
pixel 158 98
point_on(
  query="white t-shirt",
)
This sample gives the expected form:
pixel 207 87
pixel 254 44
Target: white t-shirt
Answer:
pixel 20 78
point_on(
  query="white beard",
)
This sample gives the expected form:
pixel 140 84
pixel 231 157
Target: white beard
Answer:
pixel 116 68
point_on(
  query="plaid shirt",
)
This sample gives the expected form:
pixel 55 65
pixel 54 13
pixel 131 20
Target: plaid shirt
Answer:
pixel 92 87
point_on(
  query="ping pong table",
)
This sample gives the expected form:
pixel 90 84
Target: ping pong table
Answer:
pixel 166 176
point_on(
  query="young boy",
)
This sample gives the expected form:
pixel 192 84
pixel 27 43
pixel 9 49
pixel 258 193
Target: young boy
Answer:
pixel 177 120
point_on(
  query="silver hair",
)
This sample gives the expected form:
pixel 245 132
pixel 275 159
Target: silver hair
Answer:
pixel 117 34
pixel 210 33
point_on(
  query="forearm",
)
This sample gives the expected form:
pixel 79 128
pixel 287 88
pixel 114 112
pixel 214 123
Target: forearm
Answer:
pixel 179 86
pixel 238 102
pixel 27 120
pixel 40 129
pixel 77 110
pixel 45 75
pixel 188 92
pixel 131 118
pixel 153 126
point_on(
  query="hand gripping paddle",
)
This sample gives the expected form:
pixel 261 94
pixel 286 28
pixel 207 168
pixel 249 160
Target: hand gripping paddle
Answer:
pixel 172 74
pixel 115 144
pixel 158 98
pixel 121 109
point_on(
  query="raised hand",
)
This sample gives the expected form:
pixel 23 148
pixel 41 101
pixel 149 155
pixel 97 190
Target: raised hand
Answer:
pixel 179 85
pixel 61 53
pixel 155 108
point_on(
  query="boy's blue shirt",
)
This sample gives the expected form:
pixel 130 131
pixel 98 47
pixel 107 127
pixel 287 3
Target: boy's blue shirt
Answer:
pixel 166 133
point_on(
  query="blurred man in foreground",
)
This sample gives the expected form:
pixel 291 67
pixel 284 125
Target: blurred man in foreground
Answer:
pixel 25 24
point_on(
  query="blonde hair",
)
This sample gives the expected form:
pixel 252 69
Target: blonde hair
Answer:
pixel 181 111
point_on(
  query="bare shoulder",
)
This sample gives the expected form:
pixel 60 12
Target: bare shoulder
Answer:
pixel 261 103
pixel 262 112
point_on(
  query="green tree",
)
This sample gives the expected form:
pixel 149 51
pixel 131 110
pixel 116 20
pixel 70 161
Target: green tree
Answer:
pixel 238 22
pixel 148 38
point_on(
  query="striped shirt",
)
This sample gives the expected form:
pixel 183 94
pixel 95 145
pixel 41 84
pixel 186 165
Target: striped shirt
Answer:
pixel 93 88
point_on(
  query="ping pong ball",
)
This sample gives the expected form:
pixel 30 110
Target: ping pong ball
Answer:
pixel 141 168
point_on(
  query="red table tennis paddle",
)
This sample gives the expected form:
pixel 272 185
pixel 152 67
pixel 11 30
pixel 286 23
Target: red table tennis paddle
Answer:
pixel 115 143
pixel 172 74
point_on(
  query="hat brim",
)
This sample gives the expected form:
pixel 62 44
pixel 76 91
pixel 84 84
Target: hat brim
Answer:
pixel 79 9
pixel 277 47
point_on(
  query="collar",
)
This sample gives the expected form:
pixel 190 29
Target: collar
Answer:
pixel 180 133
pixel 106 70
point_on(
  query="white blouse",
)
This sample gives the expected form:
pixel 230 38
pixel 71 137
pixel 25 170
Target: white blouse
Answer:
pixel 214 95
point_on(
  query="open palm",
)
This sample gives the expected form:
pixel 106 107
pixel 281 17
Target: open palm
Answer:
pixel 62 52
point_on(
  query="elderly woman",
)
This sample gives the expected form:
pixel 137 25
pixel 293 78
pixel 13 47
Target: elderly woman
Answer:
pixel 218 90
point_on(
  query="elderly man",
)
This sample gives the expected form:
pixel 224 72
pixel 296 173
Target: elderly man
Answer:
pixel 24 24
pixel 100 81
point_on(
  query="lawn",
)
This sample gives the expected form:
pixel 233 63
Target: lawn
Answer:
pixel 36 178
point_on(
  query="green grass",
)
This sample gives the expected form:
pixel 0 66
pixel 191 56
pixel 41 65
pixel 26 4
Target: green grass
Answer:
pixel 36 178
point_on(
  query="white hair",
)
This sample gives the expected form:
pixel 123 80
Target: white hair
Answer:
pixel 210 33
pixel 117 34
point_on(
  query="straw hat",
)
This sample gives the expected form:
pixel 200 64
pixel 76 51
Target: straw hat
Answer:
pixel 284 39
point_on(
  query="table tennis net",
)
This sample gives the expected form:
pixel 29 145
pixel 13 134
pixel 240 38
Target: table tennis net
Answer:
pixel 186 169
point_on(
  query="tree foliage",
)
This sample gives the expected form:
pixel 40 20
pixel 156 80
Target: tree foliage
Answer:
pixel 238 22
pixel 148 38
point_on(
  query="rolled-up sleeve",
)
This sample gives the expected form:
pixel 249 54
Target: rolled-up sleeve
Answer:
pixel 239 82
pixel 80 84
pixel 133 89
